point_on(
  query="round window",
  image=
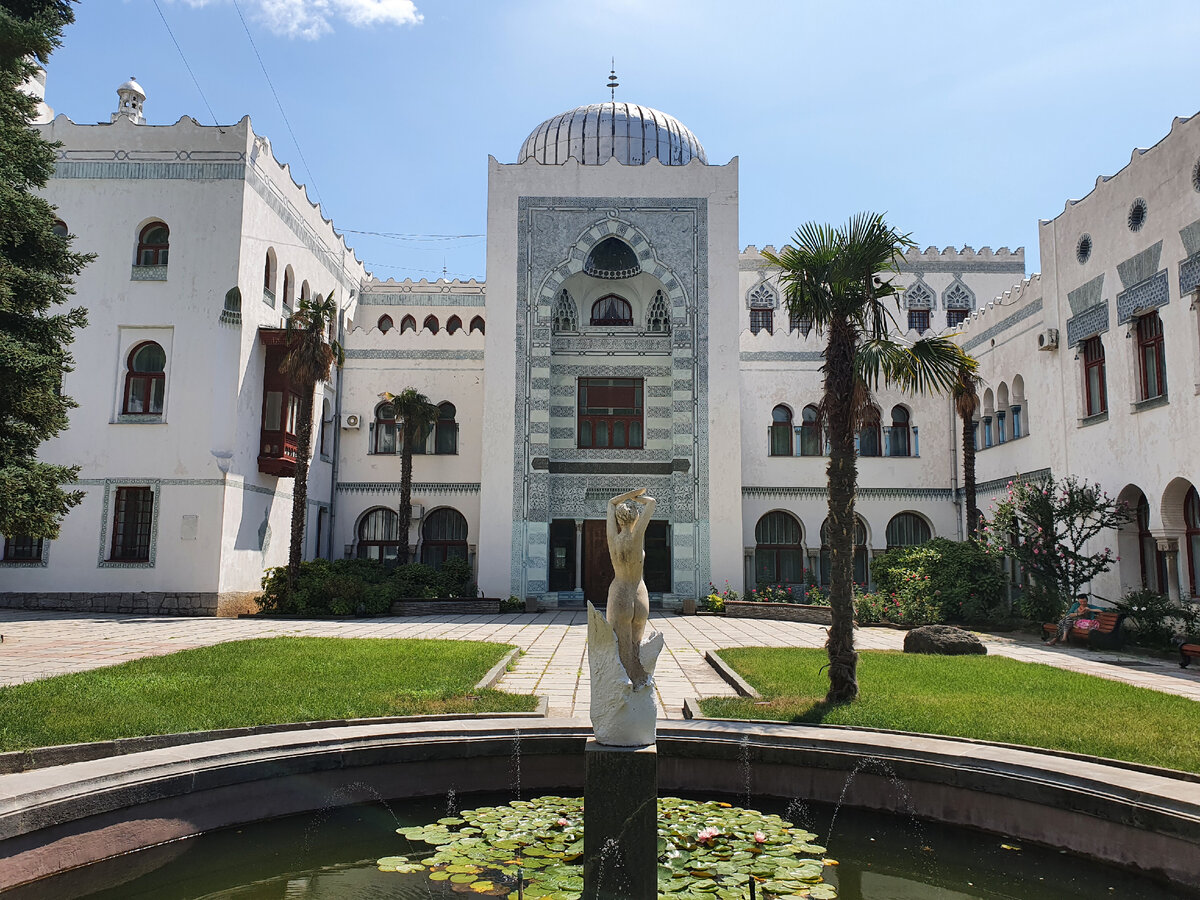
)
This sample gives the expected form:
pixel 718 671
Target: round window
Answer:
pixel 1083 250
pixel 1137 214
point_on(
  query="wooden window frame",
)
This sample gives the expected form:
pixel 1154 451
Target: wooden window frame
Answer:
pixel 1150 341
pixel 780 433
pixel 156 253
pixel 1093 359
pixel 145 382
pixel 136 502
pixel 610 420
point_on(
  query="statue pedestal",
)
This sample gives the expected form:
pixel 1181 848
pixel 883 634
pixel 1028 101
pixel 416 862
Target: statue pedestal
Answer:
pixel 620 837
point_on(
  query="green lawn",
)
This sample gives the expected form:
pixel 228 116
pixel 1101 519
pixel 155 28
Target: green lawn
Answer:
pixel 985 697
pixel 266 681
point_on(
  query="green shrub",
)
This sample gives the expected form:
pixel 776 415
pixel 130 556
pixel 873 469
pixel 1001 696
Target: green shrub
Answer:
pixel 361 586
pixel 1155 619
pixel 512 604
pixel 1041 603
pixel 907 610
pixel 943 581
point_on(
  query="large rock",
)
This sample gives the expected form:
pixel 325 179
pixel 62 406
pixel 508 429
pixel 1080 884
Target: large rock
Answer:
pixel 944 639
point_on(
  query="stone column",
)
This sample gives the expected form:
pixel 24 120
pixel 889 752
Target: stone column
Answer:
pixel 579 555
pixel 620 837
pixel 1170 548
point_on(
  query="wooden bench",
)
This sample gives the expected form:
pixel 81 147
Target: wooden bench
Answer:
pixel 1188 652
pixel 1109 633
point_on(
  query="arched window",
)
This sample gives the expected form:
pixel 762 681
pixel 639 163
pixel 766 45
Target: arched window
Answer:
pixel 408 323
pixel 289 286
pixel 379 536
pixel 860 552
pixel 781 431
pixel 385 323
pixel 1154 563
pixel 658 317
pixel 778 556
pixel 383 437
pixel 1191 518
pixel 153 245
pixel 868 434
pixel 1020 417
pixel 810 432
pixel 898 443
pixel 269 275
pixel 304 290
pixel 443 535
pixel 611 259
pixel 431 324
pixel 476 325
pixel 59 228
pixel 453 324
pixel 565 316
pixel 446 429
pixel 907 529
pixel 612 310
pixel 145 380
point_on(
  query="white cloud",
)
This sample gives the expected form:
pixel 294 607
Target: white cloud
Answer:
pixel 310 19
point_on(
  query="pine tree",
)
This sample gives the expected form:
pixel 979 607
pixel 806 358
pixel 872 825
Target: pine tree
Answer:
pixel 36 272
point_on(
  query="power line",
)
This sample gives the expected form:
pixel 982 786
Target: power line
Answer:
pixel 195 81
pixel 311 179
pixel 400 236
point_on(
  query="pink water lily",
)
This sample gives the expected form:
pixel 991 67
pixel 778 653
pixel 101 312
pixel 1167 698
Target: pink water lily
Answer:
pixel 759 837
pixel 563 823
pixel 705 835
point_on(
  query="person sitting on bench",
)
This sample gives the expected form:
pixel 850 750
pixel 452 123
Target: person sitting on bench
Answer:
pixel 1067 622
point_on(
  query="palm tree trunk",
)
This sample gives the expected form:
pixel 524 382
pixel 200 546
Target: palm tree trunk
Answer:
pixel 300 490
pixel 968 449
pixel 843 475
pixel 406 463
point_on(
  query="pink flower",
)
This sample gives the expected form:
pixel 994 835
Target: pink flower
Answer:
pixel 706 835
pixel 563 823
pixel 759 837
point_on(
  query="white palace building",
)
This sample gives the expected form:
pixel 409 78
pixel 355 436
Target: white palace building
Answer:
pixel 621 340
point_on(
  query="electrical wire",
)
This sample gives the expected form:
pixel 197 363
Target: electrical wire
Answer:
pixel 311 179
pixel 195 80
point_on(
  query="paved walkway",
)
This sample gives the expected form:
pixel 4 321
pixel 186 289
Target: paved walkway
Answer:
pixel 38 644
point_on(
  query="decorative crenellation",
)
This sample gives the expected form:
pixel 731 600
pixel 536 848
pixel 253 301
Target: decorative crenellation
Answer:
pixel 1004 324
pixel 986 487
pixel 1009 302
pixel 418 487
pixel 813 492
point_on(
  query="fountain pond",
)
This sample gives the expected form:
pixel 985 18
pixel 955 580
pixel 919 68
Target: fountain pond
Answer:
pixel 708 849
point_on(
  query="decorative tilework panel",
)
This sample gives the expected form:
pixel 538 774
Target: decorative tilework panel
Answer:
pixel 1086 295
pixel 1019 316
pixel 1086 323
pixel 1140 267
pixel 1149 294
pixel 1189 275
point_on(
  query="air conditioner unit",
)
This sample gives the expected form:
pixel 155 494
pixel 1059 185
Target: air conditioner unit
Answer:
pixel 1048 339
pixel 351 420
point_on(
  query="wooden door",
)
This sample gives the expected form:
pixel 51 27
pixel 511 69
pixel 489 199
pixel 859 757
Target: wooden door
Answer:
pixel 597 567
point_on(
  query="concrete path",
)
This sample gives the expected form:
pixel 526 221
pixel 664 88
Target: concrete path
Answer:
pixel 38 644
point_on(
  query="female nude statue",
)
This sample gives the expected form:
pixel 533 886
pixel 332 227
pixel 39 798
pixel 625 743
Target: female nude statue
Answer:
pixel 628 602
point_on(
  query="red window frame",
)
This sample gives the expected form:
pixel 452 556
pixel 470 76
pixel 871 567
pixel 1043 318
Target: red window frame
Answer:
pixel 477 325
pixel 629 418
pixel 431 324
pixel 133 519
pixel 453 324
pixel 153 253
pixel 1150 356
pixel 1093 360
pixel 146 387
pixel 385 323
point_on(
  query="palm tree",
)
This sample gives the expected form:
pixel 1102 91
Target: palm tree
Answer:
pixel 965 394
pixel 416 414
pixel 307 361
pixel 831 276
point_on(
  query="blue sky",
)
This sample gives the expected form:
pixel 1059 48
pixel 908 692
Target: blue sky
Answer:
pixel 965 122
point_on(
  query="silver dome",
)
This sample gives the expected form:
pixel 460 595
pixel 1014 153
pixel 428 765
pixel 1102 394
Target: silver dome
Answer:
pixel 594 134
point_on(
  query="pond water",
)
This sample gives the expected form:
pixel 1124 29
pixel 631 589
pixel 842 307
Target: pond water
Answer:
pixel 332 856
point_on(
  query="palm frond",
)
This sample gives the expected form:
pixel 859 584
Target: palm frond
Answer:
pixel 926 366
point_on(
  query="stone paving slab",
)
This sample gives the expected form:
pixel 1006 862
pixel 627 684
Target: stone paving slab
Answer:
pixel 40 643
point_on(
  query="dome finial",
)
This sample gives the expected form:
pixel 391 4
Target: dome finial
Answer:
pixel 613 84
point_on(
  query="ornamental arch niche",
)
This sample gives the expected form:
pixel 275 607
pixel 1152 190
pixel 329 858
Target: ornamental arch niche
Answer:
pixel 669 362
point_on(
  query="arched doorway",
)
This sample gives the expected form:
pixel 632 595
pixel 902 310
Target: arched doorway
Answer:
pixel 443 535
pixel 778 554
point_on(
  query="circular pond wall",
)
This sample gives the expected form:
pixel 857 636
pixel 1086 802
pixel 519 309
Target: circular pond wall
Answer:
pixel 56 818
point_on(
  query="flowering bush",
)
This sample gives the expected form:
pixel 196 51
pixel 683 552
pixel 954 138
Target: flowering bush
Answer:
pixel 960 581
pixel 1155 618
pixel 715 601
pixel 907 610
pixel 1048 527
